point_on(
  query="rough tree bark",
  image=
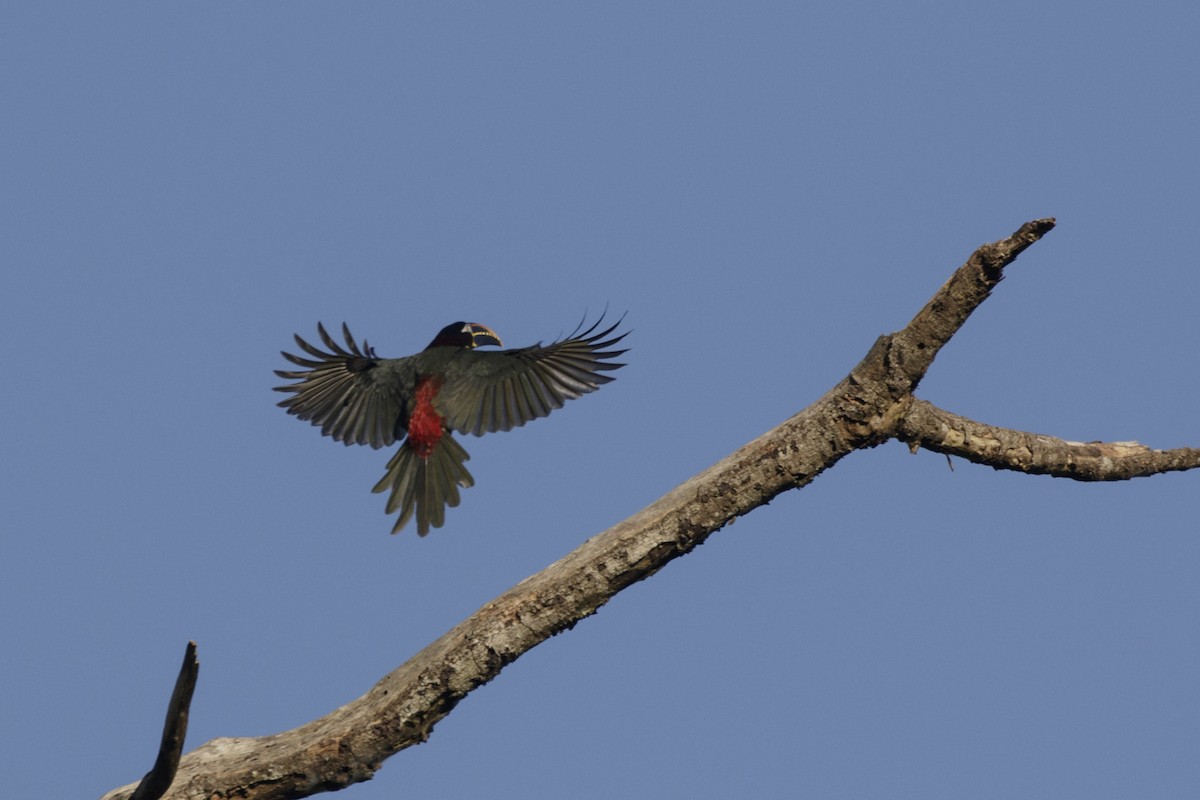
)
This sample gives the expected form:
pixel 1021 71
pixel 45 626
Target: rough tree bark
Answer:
pixel 871 405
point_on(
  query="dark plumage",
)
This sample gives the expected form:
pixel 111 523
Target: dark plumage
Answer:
pixel 358 398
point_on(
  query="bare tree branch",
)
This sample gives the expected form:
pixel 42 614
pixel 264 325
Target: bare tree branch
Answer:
pixel 873 404
pixel 968 287
pixel 925 425
pixel 156 782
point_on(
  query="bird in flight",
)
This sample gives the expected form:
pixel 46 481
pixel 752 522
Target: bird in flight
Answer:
pixel 356 397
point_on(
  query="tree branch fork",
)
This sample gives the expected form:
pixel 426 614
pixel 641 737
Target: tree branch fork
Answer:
pixel 873 404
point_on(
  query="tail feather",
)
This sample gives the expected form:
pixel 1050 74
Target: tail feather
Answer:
pixel 425 487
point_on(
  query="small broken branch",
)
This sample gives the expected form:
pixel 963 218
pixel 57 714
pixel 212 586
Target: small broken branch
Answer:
pixel 156 782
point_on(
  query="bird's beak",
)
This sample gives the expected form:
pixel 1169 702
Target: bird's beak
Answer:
pixel 483 335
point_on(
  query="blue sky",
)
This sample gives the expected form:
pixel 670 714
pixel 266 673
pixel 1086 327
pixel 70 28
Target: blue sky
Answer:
pixel 764 189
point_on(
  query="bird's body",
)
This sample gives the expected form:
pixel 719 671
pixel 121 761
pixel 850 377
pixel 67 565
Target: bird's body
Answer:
pixel 356 397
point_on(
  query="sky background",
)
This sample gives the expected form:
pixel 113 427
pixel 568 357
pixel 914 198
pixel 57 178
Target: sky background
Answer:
pixel 764 189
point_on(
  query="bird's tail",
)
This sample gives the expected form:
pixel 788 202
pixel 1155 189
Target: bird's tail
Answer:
pixel 425 486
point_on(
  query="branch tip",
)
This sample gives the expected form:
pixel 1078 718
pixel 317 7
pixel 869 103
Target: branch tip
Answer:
pixel 1037 228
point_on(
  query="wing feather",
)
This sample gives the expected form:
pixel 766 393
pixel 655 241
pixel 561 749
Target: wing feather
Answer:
pixel 486 391
pixel 350 393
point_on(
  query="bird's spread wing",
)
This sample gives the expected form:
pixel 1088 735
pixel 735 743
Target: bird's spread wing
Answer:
pixel 349 392
pixel 485 391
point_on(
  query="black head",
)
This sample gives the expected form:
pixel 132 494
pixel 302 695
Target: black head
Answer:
pixel 465 334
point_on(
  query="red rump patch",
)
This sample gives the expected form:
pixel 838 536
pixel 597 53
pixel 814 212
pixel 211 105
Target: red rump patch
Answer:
pixel 425 424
